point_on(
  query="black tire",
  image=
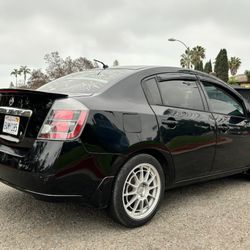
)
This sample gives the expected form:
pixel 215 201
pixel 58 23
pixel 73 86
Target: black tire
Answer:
pixel 117 209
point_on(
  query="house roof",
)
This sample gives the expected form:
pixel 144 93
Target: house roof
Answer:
pixel 241 78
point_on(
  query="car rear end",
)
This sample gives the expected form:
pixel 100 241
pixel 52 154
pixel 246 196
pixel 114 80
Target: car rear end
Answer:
pixel 37 129
pixel 41 145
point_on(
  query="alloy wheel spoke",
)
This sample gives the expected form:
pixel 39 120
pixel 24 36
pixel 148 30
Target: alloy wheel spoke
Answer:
pixel 137 202
pixel 130 193
pixel 152 178
pixel 132 185
pixel 141 174
pixel 152 196
pixel 141 205
pixel 136 177
pixel 152 187
pixel 131 201
pixel 147 175
pixel 147 204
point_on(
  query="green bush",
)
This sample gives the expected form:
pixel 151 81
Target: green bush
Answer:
pixel 231 80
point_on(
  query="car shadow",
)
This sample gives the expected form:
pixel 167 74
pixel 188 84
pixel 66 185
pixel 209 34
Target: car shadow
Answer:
pixel 22 209
pixel 204 190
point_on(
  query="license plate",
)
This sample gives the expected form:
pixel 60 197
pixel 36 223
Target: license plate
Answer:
pixel 11 124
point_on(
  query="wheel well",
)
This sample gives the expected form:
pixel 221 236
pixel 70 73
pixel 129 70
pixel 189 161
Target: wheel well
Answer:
pixel 164 160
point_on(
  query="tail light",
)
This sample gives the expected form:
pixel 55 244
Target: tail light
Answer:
pixel 65 120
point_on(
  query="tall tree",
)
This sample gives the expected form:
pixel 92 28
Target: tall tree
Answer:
pixel 82 63
pixel 234 64
pixel 16 73
pixel 115 63
pixel 197 54
pixel 186 59
pixel 58 67
pixel 199 66
pixel 37 79
pixel 55 67
pixel 68 65
pixel 24 70
pixel 208 67
pixel 221 65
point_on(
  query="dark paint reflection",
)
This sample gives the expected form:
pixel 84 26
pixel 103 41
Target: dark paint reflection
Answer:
pixel 102 132
pixel 191 132
pixel 233 144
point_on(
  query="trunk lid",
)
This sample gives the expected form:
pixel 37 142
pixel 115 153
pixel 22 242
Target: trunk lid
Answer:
pixel 22 113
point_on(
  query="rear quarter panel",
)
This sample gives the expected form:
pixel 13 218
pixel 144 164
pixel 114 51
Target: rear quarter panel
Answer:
pixel 119 119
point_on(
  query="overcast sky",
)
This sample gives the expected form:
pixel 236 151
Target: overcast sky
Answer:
pixel 133 32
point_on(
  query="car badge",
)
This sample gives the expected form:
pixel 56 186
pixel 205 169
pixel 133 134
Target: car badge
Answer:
pixel 11 101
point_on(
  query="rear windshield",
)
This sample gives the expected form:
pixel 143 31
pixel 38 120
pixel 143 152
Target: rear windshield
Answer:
pixel 85 82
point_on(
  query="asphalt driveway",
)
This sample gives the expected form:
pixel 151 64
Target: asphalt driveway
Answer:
pixel 212 215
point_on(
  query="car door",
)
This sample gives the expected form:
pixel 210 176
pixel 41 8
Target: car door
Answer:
pixel 233 128
pixel 187 129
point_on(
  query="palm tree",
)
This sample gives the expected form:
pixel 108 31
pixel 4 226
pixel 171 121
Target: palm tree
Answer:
pixel 186 59
pixel 234 64
pixel 197 54
pixel 15 73
pixel 25 70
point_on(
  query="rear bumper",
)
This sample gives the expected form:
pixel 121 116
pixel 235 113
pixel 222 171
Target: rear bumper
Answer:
pixel 46 186
pixel 71 173
pixel 25 181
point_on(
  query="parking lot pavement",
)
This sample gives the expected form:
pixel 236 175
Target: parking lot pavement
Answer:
pixel 212 215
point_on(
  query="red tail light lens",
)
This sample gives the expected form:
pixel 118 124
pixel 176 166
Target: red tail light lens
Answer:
pixel 64 114
pixel 65 120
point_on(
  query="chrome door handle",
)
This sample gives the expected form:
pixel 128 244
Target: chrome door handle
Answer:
pixel 170 122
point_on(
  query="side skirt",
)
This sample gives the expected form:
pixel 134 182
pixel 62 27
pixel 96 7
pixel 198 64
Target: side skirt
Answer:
pixel 211 176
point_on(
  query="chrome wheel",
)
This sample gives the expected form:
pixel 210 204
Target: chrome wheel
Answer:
pixel 141 191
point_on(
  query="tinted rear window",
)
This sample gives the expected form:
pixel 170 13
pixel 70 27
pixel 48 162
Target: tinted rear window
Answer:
pixel 86 82
pixel 181 93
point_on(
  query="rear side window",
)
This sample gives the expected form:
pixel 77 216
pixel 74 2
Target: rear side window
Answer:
pixel 181 93
pixel 222 102
pixel 86 82
pixel 152 92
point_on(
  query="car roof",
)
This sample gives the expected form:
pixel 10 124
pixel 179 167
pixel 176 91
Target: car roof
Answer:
pixel 152 69
pixel 165 69
pixel 156 70
pixel 145 67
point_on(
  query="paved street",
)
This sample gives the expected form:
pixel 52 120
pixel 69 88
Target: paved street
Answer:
pixel 212 215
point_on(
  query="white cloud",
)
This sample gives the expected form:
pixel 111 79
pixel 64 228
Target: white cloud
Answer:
pixel 134 32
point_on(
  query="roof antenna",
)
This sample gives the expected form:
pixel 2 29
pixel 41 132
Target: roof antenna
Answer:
pixel 104 66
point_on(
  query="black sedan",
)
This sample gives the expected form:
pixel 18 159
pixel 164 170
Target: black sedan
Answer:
pixel 119 137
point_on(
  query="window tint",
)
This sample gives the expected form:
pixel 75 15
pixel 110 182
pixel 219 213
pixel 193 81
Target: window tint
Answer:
pixel 152 91
pixel 180 93
pixel 222 102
